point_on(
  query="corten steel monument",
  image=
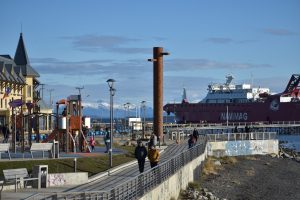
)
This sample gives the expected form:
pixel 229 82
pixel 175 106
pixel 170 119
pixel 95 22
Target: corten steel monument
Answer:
pixel 158 90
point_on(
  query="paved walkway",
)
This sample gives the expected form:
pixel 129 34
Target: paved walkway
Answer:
pixel 102 181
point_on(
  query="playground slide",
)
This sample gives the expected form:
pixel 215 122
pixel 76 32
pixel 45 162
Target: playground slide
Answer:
pixel 51 136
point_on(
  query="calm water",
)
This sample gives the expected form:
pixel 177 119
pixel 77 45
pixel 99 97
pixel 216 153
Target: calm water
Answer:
pixel 293 141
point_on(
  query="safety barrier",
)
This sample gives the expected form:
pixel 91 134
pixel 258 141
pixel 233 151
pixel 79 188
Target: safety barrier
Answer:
pixel 241 136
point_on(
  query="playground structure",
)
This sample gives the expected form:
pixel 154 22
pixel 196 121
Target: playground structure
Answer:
pixel 69 132
pixel 22 123
pixel 70 127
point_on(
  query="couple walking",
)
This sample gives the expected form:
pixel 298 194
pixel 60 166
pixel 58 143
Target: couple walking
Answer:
pixel 141 154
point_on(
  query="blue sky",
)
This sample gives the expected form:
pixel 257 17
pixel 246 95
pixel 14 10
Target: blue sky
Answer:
pixel 84 43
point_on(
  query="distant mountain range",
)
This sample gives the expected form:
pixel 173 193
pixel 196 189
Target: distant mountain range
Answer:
pixel 102 110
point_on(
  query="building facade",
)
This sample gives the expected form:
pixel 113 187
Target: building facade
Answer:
pixel 19 83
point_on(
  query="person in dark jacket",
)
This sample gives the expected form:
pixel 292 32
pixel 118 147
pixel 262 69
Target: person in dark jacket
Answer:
pixel 141 154
pixel 195 134
pixel 191 141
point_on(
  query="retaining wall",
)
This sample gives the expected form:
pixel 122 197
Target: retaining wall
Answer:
pixel 62 179
pixel 191 172
pixel 172 186
pixel 242 147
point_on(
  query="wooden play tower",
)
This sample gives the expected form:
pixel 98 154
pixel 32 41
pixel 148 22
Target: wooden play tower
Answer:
pixel 71 130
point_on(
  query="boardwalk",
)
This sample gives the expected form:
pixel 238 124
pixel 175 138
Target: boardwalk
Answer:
pixel 103 183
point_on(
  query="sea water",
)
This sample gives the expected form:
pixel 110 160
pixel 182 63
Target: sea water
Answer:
pixel 290 141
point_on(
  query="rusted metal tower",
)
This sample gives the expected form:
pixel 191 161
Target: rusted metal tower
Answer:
pixel 158 90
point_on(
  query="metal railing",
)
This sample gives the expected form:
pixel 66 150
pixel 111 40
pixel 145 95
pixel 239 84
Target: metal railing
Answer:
pixel 138 186
pixel 241 136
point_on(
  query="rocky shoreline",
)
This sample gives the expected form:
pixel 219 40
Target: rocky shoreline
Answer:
pixel 249 177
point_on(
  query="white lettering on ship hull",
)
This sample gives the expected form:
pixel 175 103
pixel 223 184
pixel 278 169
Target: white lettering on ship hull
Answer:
pixel 234 116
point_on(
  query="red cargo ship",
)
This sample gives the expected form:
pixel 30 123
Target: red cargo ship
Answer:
pixel 240 103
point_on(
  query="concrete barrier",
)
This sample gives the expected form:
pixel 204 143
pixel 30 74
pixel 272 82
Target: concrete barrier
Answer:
pixel 243 147
pixel 63 179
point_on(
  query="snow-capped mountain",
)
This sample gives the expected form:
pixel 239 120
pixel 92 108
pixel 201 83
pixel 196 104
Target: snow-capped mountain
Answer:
pixel 102 109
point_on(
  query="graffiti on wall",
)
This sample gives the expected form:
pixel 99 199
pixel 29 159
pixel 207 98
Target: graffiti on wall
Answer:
pixel 235 148
pixel 56 179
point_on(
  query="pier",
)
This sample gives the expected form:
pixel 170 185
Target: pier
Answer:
pixel 288 128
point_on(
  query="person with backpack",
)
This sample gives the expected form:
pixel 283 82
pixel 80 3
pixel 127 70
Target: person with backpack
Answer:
pixel 140 155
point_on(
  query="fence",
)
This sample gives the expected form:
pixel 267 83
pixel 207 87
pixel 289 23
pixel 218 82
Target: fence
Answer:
pixel 137 186
pixel 241 136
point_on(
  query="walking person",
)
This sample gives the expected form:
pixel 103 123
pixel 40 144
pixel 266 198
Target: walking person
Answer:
pixel 92 143
pixel 140 155
pixel 195 134
pixel 191 141
pixel 107 140
pixel 153 141
pixel 6 133
pixel 153 156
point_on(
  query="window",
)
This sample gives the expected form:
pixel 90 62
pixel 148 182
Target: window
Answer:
pixel 29 91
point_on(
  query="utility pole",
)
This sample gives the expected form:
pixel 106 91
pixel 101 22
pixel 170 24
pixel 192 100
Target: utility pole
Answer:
pixel 50 100
pixel 79 89
pixel 42 89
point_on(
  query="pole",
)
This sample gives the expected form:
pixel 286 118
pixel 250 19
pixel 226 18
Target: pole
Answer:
pixel 15 130
pixel 111 127
pixel 227 116
pixel 158 91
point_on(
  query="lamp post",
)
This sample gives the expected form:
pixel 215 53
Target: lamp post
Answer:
pixel 143 105
pixel 112 91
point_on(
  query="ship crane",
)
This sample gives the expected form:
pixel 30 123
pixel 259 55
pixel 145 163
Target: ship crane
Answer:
pixel 293 87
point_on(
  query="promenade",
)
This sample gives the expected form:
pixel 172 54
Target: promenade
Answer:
pixel 102 181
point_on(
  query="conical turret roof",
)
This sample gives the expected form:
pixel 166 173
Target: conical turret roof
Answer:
pixel 21 59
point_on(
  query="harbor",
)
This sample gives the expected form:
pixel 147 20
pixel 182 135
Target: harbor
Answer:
pixel 149 100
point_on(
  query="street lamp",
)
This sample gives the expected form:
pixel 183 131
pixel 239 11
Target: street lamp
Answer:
pixel 112 91
pixel 143 105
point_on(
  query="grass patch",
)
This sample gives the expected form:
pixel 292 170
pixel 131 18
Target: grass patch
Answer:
pixel 229 160
pixel 92 165
pixel 209 167
pixel 251 158
pixel 194 185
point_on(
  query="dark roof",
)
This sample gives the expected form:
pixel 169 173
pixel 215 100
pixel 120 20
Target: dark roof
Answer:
pixel 21 59
pixel 10 72
pixel 6 56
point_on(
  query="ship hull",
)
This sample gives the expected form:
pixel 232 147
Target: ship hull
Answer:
pixel 231 112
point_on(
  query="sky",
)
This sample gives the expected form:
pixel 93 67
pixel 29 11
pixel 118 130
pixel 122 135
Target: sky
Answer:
pixel 82 43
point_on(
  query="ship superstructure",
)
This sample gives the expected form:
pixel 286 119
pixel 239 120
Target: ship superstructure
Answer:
pixel 241 103
pixel 231 93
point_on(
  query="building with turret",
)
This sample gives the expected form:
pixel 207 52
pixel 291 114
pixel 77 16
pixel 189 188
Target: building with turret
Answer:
pixel 19 83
